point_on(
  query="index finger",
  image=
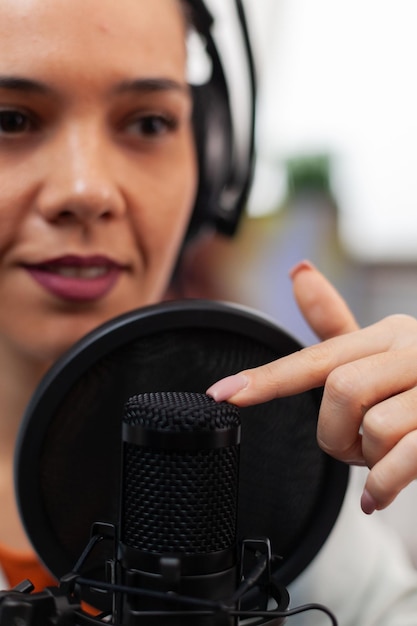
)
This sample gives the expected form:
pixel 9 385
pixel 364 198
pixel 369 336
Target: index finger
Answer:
pixel 299 371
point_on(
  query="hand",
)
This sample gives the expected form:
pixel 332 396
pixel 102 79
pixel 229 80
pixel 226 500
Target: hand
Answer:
pixel 368 415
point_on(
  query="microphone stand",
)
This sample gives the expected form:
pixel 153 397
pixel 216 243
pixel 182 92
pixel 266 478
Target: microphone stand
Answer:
pixel 62 605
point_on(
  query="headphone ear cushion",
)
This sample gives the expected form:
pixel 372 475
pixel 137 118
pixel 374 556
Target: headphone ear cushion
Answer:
pixel 213 140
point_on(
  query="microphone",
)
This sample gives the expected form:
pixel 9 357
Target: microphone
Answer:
pixel 175 558
pixel 290 493
pixel 178 508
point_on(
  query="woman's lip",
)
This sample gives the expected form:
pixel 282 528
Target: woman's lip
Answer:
pixel 76 260
pixel 75 278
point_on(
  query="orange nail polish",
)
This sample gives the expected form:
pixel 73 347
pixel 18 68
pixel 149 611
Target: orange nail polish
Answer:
pixel 301 266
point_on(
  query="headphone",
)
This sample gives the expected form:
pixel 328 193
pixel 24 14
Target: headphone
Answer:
pixel 225 153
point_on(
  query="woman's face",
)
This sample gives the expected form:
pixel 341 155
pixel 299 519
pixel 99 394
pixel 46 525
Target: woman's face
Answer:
pixel 97 166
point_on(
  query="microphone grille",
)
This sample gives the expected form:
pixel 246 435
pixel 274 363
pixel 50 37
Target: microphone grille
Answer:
pixel 180 501
pixel 180 411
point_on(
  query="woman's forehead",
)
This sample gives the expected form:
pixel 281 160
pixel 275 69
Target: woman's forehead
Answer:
pixel 148 34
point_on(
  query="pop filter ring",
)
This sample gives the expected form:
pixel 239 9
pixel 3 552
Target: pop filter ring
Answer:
pixel 189 314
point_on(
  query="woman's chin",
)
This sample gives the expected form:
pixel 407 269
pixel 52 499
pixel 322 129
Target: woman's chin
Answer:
pixel 53 344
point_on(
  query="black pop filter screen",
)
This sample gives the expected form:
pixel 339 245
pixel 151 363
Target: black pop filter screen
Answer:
pixel 69 454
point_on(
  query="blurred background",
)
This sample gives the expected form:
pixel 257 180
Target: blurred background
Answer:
pixel 335 178
pixel 336 136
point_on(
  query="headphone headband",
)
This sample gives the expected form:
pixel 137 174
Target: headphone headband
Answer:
pixel 225 152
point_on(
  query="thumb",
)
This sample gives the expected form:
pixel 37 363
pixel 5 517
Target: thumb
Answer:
pixel 323 308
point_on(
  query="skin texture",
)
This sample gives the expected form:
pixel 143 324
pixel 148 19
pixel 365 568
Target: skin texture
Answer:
pixel 96 160
pixel 367 416
pixel 112 190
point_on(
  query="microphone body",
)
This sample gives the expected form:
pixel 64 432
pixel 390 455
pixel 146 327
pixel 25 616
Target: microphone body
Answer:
pixel 178 510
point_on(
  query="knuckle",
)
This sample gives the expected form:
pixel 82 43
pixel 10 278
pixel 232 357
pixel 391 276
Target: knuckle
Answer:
pixel 402 319
pixel 346 453
pixel 379 424
pixel 319 357
pixel 386 422
pixel 268 374
pixel 411 444
pixel 400 326
pixel 343 384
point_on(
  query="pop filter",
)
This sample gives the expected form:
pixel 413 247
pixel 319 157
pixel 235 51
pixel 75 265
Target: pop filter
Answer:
pixel 68 457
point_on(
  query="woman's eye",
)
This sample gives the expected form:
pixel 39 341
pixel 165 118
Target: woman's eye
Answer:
pixel 14 122
pixel 151 125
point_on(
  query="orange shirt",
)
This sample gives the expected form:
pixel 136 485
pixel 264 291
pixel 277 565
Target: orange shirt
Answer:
pixel 18 566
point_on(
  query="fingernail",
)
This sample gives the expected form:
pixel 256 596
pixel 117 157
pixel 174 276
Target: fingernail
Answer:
pixel 228 387
pixel 301 266
pixel 368 503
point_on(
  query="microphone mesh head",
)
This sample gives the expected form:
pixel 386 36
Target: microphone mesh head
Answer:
pixel 180 411
pixel 180 501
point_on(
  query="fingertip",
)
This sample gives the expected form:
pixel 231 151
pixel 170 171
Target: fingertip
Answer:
pixel 227 388
pixel 368 503
pixel 300 267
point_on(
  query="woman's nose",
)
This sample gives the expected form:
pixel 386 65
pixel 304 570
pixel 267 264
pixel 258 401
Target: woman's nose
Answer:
pixel 80 181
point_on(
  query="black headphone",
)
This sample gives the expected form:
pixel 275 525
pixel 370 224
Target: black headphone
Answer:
pixel 225 153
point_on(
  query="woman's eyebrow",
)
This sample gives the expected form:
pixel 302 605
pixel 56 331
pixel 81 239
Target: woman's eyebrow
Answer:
pixel 26 85
pixel 139 85
pixel 146 85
